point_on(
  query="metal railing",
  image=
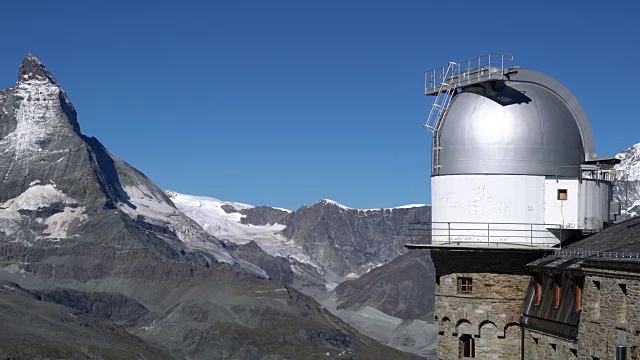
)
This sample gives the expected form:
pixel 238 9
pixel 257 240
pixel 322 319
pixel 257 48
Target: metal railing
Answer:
pixel 599 254
pixel 590 172
pixel 486 234
pixel 466 72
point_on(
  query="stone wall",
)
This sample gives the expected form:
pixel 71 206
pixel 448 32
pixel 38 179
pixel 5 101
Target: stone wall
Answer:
pixel 610 314
pixel 490 313
pixel 539 346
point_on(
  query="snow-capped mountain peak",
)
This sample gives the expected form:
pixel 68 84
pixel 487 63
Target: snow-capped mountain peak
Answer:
pixel 32 69
pixel 41 143
pixel 629 167
pixel 627 180
pixel 335 203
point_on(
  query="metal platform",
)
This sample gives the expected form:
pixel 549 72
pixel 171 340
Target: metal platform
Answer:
pixel 442 82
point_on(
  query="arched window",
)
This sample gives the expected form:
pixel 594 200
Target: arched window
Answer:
pixel 467 347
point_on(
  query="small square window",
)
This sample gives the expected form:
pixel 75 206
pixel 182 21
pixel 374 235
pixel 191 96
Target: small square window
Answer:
pixel 465 285
pixel 562 194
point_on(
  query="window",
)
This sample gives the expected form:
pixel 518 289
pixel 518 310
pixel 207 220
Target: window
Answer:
pixel 465 285
pixel 538 289
pixel 596 303
pixel 579 287
pixel 467 348
pixel 556 290
pixel 562 194
pixel 623 307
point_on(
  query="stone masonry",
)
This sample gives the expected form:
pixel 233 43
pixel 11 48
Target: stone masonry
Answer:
pixel 610 315
pixel 539 346
pixel 490 313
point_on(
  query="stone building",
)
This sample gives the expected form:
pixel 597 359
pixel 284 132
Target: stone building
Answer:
pixel 584 299
pixel 478 299
pixel 578 302
pixel 514 178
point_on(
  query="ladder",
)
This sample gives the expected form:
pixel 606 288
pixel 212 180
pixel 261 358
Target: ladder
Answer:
pixel 443 82
pixel 435 151
pixel 442 101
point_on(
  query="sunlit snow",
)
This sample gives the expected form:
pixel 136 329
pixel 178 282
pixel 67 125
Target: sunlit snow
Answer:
pixel 209 214
pixel 38 197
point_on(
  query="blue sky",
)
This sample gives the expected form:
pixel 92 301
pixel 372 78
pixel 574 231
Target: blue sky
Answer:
pixel 283 103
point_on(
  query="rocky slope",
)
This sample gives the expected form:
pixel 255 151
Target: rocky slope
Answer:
pixel 320 245
pixel 42 329
pixel 337 240
pixel 84 230
pixel 398 288
pixel 352 241
pixel 392 303
pixel 627 181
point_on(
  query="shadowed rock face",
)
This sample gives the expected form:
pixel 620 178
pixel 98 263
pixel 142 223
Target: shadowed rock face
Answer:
pixel 83 230
pixel 44 330
pixel 402 288
pixel 278 268
pixel 351 240
pixel 262 215
pixel 393 303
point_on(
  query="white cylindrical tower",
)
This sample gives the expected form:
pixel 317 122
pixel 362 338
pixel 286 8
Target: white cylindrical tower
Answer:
pixel 513 162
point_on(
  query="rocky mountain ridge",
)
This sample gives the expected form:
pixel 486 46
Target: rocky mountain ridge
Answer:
pixel 344 241
pixel 627 181
pixel 392 298
pixel 85 228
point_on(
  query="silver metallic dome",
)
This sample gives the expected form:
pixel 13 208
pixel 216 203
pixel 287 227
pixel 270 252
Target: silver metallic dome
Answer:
pixel 529 125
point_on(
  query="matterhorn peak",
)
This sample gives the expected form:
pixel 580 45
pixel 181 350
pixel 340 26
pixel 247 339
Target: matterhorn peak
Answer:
pixel 32 69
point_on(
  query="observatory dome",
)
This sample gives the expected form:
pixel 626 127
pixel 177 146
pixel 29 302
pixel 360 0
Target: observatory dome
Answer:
pixel 512 127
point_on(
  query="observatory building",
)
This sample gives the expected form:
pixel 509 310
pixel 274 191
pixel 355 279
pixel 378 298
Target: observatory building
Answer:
pixel 514 176
pixel 513 158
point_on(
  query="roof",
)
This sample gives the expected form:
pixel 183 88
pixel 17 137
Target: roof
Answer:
pixel 616 247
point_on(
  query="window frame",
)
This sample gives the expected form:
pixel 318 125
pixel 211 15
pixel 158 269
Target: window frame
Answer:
pixel 563 194
pixel 537 289
pixel 467 347
pixel 557 292
pixel 465 285
pixel 579 281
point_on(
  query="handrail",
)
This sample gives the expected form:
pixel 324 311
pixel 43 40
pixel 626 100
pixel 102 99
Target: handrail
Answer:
pixel 472 69
pixel 496 232
pixel 596 253
pixel 602 172
pixel 478 222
